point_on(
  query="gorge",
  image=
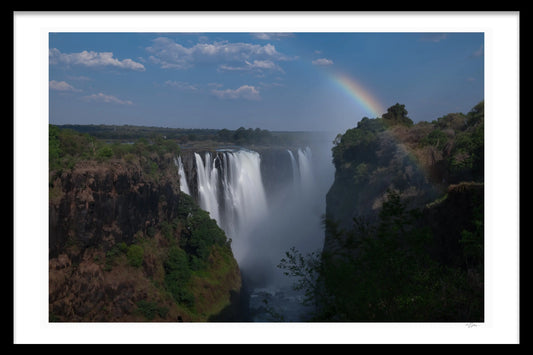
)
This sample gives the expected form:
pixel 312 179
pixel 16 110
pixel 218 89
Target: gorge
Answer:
pixel 122 216
pixel 390 229
pixel 267 201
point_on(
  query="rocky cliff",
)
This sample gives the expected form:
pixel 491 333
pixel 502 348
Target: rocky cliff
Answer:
pixel 118 230
pixel 404 221
pixel 420 161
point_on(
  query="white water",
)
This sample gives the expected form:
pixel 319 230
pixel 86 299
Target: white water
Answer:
pixel 306 182
pixel 233 194
pixel 208 185
pixel 184 187
pixel 263 228
pixel 244 198
pixel 294 165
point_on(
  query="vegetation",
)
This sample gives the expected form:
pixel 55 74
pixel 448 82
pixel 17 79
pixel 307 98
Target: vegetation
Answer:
pixel 68 147
pixel 135 255
pixel 384 272
pixel 177 275
pixel 151 309
pixel 169 257
pixel 451 147
pixel 401 258
pixel 121 137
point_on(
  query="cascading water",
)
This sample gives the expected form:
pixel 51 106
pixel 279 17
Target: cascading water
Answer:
pixel 208 185
pixel 184 187
pixel 294 165
pixel 305 169
pixel 263 227
pixel 244 197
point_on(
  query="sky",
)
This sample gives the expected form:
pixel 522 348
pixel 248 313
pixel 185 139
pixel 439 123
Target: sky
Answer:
pixel 280 81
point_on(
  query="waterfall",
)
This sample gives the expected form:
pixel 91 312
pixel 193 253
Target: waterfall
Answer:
pixel 230 188
pixel 241 201
pixel 184 187
pixel 306 169
pixel 208 186
pixel 295 172
pixel 264 226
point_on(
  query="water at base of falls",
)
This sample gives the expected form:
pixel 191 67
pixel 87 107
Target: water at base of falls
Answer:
pixel 277 305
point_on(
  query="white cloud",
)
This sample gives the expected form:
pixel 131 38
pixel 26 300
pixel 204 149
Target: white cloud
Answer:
pixel 271 35
pixel 107 99
pixel 170 54
pixel 61 86
pixel 93 59
pixel 247 92
pixel 322 61
pixel 256 65
pixel 181 85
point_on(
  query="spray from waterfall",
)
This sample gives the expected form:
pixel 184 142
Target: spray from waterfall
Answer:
pixel 263 227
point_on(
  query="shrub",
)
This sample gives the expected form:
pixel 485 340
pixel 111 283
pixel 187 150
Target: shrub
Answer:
pixel 177 275
pixel 104 153
pixel 150 309
pixel 135 255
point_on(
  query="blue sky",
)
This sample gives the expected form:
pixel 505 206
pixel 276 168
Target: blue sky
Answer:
pixel 275 81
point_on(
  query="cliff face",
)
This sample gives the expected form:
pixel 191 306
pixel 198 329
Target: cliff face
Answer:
pixel 391 153
pixel 404 221
pixel 107 203
pixel 112 226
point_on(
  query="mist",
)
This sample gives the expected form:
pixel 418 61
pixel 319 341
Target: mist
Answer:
pixel 267 202
pixel 293 219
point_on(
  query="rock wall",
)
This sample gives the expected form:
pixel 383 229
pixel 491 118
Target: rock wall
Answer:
pixel 96 211
pixel 107 203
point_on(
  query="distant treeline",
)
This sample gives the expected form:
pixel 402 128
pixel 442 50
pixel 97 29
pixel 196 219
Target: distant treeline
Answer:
pixel 130 132
pixel 240 136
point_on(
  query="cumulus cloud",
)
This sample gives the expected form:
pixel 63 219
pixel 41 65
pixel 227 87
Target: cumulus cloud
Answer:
pixel 247 92
pixel 61 86
pixel 93 59
pixel 322 61
pixel 100 97
pixel 170 54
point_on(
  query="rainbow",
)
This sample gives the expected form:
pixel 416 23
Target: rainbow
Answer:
pixel 362 96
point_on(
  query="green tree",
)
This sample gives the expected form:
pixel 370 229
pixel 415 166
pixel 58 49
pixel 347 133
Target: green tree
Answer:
pixel 104 153
pixel 135 255
pixel 397 114
pixel 177 275
pixel 383 272
pixel 54 148
pixel 225 135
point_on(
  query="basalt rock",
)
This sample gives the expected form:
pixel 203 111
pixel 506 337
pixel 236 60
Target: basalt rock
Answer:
pixel 96 211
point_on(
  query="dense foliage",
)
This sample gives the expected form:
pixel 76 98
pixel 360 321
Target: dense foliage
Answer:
pixel 401 258
pixel 385 272
pixel 451 147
